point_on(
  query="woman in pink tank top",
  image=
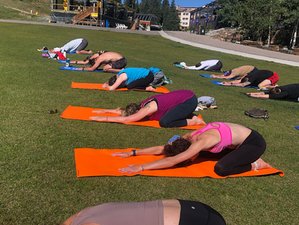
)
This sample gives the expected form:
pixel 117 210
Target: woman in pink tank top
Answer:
pixel 246 147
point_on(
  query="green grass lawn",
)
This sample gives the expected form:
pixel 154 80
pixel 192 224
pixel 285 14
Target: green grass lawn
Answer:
pixel 38 182
pixel 12 9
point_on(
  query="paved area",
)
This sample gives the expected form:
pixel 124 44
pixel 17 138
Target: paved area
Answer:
pixel 200 41
pixel 206 42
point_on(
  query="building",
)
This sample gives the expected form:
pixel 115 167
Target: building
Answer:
pixel 203 18
pixel 184 15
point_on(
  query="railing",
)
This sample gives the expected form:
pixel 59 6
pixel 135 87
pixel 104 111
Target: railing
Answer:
pixel 83 14
pixel 60 7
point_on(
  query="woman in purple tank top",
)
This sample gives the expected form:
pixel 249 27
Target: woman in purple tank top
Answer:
pixel 158 212
pixel 246 147
pixel 173 109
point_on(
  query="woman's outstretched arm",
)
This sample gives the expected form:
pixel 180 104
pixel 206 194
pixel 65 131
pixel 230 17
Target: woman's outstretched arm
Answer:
pixel 169 162
pixel 117 111
pixel 205 142
pixel 258 95
pixel 143 112
pixel 155 150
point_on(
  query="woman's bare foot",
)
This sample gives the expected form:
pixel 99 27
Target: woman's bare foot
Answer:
pixel 260 164
pixel 195 121
pixel 150 88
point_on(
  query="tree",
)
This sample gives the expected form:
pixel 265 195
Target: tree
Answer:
pixel 172 21
pixel 258 18
pixel 151 7
pixel 165 10
pixel 291 20
pixel 130 4
pixel 137 8
pixel 232 12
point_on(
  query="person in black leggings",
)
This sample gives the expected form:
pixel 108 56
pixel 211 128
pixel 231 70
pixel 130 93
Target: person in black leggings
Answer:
pixel 197 213
pixel 173 109
pixel 256 78
pixel 288 92
pixel 131 78
pixel 246 147
pixel 176 117
pixel 157 212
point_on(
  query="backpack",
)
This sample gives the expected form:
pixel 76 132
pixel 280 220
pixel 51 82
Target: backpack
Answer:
pixel 159 77
pixel 205 102
pixel 257 113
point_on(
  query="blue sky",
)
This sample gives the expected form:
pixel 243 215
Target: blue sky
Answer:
pixel 192 3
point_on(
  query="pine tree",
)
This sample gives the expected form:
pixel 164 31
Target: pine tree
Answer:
pixel 165 10
pixel 137 6
pixel 291 20
pixel 144 6
pixel 151 7
pixel 172 21
pixel 130 3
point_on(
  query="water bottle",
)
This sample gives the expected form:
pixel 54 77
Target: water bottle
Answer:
pixel 173 138
pixel 67 62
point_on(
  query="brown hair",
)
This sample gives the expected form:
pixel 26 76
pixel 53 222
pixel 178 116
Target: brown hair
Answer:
pixel 178 146
pixel 275 90
pixel 131 109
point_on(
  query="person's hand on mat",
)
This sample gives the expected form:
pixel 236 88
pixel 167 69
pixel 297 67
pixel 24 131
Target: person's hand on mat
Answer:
pixel 132 169
pixel 105 85
pixel 227 83
pixel 122 154
pixel 99 118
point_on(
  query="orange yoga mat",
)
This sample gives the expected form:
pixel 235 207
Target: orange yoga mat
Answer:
pixel 97 86
pixel 100 162
pixel 83 113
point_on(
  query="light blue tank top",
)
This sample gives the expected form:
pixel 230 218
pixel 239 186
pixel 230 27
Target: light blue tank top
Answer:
pixel 134 74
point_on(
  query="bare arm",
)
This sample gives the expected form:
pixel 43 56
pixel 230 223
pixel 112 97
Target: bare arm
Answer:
pixel 231 76
pixel 155 150
pixel 258 95
pixel 187 136
pixel 236 83
pixel 84 52
pixel 219 76
pixel 143 112
pixel 79 62
pixel 121 78
pixel 117 111
pixel 201 144
pixel 98 62
pixel 111 70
